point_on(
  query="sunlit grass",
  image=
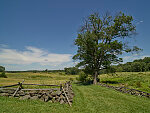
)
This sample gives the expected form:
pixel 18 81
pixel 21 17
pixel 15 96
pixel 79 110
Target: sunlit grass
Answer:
pixel 35 78
pixel 88 99
pixel 136 80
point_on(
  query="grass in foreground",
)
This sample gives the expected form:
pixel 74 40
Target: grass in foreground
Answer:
pixel 88 99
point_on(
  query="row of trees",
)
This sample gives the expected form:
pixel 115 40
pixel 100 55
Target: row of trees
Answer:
pixel 140 65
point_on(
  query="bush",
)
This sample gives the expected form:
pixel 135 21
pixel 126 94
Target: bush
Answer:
pixel 138 84
pixel 3 74
pixel 71 79
pixel 82 77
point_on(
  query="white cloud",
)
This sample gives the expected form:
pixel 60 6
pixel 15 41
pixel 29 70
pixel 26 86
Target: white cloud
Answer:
pixel 32 55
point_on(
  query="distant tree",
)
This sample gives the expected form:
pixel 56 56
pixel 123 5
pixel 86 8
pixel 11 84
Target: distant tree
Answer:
pixel 46 70
pixel 146 60
pixel 148 66
pixel 127 68
pixel 110 69
pixel 2 68
pixel 138 60
pixel 138 66
pixel 101 40
pixel 119 69
pixel 71 70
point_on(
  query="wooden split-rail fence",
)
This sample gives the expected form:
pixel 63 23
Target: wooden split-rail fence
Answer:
pixel 21 88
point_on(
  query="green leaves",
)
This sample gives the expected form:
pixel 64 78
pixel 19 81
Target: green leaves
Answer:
pixel 2 68
pixel 99 41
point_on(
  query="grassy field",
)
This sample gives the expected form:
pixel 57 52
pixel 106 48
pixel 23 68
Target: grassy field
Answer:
pixel 88 98
pixel 136 80
pixel 36 78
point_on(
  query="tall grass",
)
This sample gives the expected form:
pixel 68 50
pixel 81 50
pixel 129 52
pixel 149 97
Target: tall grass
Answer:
pixel 136 80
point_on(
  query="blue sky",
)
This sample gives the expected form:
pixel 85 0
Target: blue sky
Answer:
pixel 39 34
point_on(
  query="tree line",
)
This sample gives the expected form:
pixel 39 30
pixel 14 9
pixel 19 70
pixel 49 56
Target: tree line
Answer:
pixel 139 65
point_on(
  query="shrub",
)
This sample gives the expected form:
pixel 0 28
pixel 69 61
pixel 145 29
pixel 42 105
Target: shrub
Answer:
pixel 82 77
pixel 3 74
pixel 71 79
pixel 138 84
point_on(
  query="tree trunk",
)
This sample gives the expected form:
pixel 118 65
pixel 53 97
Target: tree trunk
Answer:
pixel 95 78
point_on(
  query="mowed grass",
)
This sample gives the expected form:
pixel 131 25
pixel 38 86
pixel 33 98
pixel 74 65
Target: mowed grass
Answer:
pixel 136 80
pixel 88 99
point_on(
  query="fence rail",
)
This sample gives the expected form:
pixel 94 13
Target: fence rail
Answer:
pixel 9 85
pixel 61 93
pixel 20 87
pixel 41 84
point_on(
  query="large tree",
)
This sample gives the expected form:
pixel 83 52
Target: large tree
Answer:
pixel 100 41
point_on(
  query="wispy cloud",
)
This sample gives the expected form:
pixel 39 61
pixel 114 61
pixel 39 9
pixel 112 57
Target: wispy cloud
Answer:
pixel 133 57
pixel 32 55
pixel 139 22
pixel 3 45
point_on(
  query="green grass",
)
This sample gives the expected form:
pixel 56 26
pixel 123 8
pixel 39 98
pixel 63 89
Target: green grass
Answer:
pixel 88 99
pixel 136 80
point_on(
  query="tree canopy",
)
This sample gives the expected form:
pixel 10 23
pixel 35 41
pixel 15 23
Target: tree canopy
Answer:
pixel 101 39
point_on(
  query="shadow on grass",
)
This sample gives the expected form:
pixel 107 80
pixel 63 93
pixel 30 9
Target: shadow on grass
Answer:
pixel 91 82
pixel 84 83
pixel 109 82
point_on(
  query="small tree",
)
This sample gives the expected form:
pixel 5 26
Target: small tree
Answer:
pixel 100 41
pixel 46 70
pixel 82 77
pixel 3 74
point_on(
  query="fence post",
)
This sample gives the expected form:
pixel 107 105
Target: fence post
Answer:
pixel 60 87
pixel 19 87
